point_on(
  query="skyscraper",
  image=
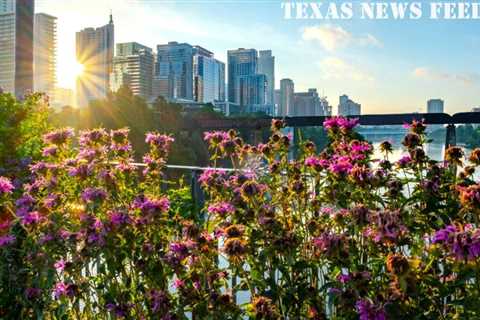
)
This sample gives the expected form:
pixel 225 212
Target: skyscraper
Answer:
pixel 435 106
pixel 287 98
pixel 241 62
pixel 266 66
pixel 310 104
pixel 133 67
pixel 44 54
pixel 251 93
pixel 175 66
pixel 209 77
pixel 94 48
pixel 348 107
pixel 16 46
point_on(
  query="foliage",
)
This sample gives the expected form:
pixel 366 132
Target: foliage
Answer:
pixel 331 233
pixel 22 124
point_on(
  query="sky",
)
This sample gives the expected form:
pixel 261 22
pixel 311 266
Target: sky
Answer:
pixel 389 66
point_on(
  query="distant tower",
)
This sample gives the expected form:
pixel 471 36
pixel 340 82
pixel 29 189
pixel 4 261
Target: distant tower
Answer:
pixel 44 54
pixel 266 66
pixel 95 49
pixel 287 98
pixel 435 106
pixel 16 49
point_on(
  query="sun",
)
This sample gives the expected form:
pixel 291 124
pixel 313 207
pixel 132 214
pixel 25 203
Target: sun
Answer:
pixel 68 72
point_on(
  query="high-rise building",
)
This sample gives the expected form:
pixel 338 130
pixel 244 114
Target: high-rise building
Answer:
pixel 133 67
pixel 266 66
pixel 435 106
pixel 16 46
pixel 174 66
pixel 251 93
pixel 209 77
pixel 287 98
pixel 241 62
pixel 310 104
pixel 95 49
pixel 348 107
pixel 45 54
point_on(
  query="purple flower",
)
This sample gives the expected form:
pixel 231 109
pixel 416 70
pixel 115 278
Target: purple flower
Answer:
pixel 461 242
pixel 368 311
pixel 93 194
pixel 119 218
pixel 60 265
pixel 316 163
pixel 178 284
pixel 59 136
pixel 404 161
pixel 63 290
pixel 344 278
pixel 161 142
pixel 31 218
pixel 7 240
pixel 49 151
pixel 151 206
pixel 93 137
pixel 215 137
pixel 340 122
pixel 25 200
pixel 6 185
pixel 32 293
pixel 221 208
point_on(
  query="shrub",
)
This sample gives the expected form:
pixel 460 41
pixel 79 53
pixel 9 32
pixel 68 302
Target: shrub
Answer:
pixel 329 234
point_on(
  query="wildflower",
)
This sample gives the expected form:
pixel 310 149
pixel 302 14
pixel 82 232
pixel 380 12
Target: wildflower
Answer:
pixel 454 155
pixel 120 310
pixel 161 142
pixel 470 196
pixel 60 265
pixel 264 308
pixel 461 242
pixel 397 264
pixel 49 151
pixel 316 163
pixel 179 249
pixel 250 189
pixel 120 136
pixel 178 283
pixel 31 218
pixel 221 208
pixel 277 124
pixel 58 137
pixel 32 293
pixel 475 156
pixel 215 137
pixel 234 231
pixel 6 240
pixel 234 247
pixel 368 311
pixel 151 206
pixel 64 290
pixel 26 200
pixel 93 195
pixel 159 301
pixel 341 166
pixel 93 137
pixel 6 185
pixel 332 245
pixel 417 127
pixel 118 218
pixel 412 140
pixel 386 147
pixel 404 161
pixel 386 227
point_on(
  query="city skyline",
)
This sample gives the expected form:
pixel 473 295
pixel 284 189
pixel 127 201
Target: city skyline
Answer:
pixel 388 66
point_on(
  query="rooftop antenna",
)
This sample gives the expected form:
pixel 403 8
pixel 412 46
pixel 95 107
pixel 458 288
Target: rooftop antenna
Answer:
pixel 111 17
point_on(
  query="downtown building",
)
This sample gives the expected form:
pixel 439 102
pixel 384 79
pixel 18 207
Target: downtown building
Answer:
pixel 435 106
pixel 188 74
pixel 266 66
pixel 94 50
pixel 247 87
pixel 310 104
pixel 348 107
pixel 45 54
pixel 286 99
pixel 209 77
pixel 133 67
pixel 16 46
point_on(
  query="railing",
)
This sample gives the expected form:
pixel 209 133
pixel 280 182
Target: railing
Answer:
pixel 257 124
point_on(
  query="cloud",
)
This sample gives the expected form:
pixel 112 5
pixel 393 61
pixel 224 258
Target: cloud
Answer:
pixel 337 68
pixel 333 37
pixel 430 74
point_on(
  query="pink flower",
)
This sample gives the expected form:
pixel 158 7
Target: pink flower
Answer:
pixel 221 208
pixel 6 185
pixel 177 283
pixel 60 265
pixel 7 240
pixel 59 136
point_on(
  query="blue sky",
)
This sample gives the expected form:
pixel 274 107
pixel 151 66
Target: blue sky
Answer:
pixel 386 65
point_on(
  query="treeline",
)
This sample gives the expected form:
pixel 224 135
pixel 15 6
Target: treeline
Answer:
pixel 123 109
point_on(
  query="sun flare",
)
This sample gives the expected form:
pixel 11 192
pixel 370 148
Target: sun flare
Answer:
pixel 68 73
